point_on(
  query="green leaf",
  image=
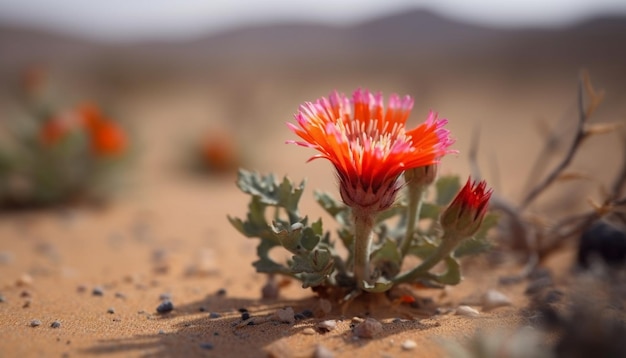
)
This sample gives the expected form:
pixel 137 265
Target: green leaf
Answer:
pixel 452 276
pixel 270 192
pixel 472 246
pixel 386 259
pixel 447 188
pixel 423 248
pixel 330 205
pixel 430 211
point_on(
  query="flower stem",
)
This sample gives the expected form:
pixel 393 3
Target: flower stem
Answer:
pixel 416 198
pixel 363 225
pixel 448 244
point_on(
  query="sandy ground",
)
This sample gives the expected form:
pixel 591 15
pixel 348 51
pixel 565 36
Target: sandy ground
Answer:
pixel 166 234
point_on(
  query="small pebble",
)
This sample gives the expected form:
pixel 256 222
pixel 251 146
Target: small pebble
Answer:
pixel 81 288
pixel 307 313
pixel 202 309
pixel 467 311
pixel 409 345
pixel 494 299
pixel 55 324
pixel 327 326
pixel 368 328
pixel 24 280
pixel 161 331
pixel 25 293
pixel 214 315
pixel 165 296
pixel 111 310
pixel 308 331
pixel 97 291
pixel 242 309
pixel 299 316
pixel 2 299
pixel 165 307
pixel 35 323
pixel 27 303
pixel 120 295
pixel 245 316
pixel 207 346
pixel 285 315
pixel 221 292
pixel 322 352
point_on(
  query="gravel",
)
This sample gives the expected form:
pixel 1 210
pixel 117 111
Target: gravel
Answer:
pixel 165 307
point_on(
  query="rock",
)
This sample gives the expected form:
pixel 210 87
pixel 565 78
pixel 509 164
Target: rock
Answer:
pixel 285 315
pixel 97 291
pixel 165 307
pixel 308 331
pixel 467 311
pixel 327 326
pixel 368 328
pixel 55 324
pixel 602 241
pixel 35 323
pixel 409 345
pixel 494 299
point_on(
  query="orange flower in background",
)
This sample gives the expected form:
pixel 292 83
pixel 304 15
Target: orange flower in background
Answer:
pixel 219 151
pixel 107 139
pixel 368 145
pixel 467 210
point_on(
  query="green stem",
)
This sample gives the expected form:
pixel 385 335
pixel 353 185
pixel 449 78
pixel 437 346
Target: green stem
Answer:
pixel 363 225
pixel 416 198
pixel 448 244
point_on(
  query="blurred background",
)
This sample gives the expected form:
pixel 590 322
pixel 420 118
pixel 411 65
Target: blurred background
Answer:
pixel 231 73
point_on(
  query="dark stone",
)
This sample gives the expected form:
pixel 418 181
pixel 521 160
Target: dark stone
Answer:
pixel 603 241
pixel 165 307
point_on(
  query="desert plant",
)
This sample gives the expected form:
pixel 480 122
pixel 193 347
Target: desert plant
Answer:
pixel 57 153
pixel 375 158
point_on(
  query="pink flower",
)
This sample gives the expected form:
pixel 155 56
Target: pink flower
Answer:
pixel 368 144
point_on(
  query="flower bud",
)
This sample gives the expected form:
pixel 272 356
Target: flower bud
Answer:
pixel 463 217
pixel 421 176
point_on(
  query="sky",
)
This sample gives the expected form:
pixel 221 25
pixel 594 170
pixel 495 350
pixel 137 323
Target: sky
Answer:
pixel 117 20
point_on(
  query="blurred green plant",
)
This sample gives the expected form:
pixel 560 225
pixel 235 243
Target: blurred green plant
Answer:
pixel 55 153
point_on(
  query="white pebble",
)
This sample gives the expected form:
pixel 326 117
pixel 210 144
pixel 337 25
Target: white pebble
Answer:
pixel 494 299
pixel 409 345
pixel 467 311
pixel 308 331
pixel 327 325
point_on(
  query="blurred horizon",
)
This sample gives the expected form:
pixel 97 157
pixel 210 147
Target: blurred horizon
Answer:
pixel 161 20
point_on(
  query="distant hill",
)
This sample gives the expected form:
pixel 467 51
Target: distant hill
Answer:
pixel 401 39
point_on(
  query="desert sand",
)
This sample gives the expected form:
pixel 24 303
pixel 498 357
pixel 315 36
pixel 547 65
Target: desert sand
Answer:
pixel 101 271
